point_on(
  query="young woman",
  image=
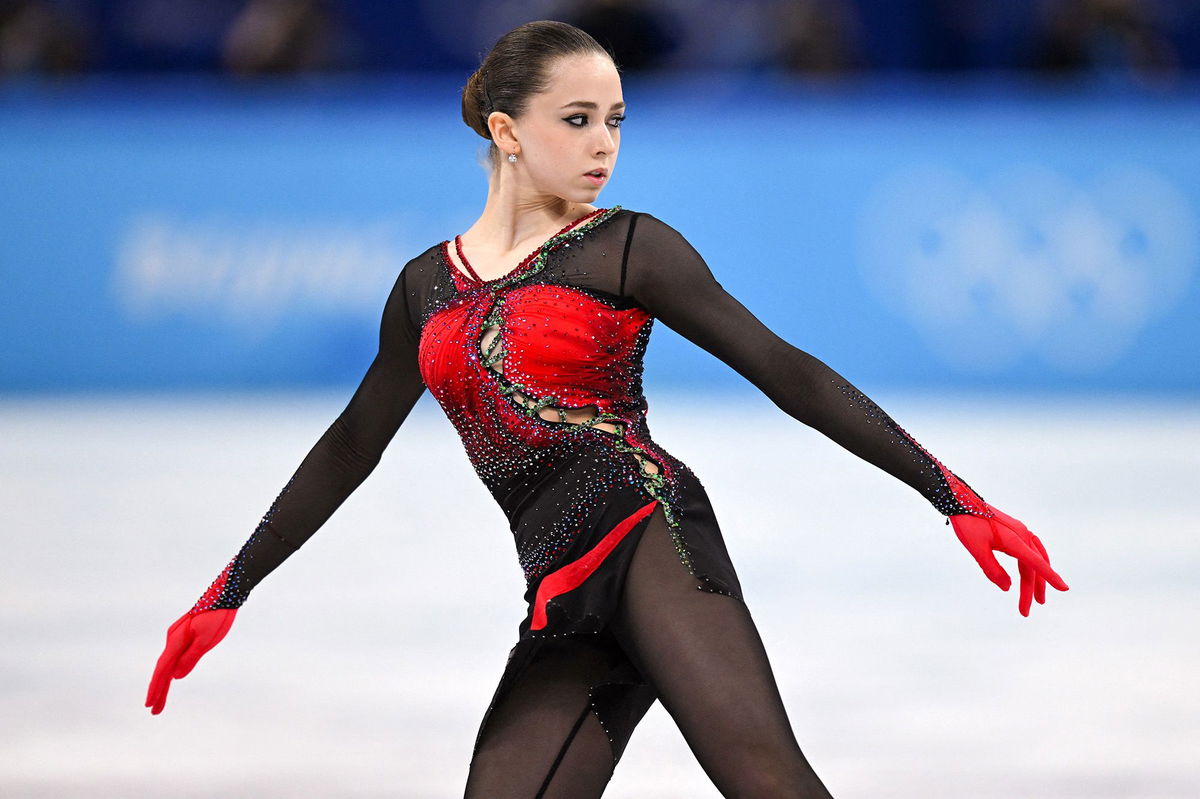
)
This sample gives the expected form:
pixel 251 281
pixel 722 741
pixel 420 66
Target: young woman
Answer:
pixel 537 361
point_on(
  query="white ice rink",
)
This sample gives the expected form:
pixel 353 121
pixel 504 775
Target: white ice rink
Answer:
pixel 362 666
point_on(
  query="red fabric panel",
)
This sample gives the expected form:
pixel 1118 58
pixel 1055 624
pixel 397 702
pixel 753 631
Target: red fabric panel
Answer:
pixel 573 574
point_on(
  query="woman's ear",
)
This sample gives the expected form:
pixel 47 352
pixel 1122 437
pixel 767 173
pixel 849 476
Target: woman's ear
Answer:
pixel 500 125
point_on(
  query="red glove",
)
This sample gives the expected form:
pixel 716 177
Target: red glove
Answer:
pixel 188 639
pixel 1001 532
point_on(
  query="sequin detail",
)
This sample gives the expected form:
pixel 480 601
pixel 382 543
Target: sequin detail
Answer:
pixel 949 494
pixel 572 574
pixel 534 374
pixel 230 589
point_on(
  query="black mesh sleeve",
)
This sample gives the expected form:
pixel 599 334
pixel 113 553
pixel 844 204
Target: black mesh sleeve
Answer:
pixel 666 275
pixel 337 464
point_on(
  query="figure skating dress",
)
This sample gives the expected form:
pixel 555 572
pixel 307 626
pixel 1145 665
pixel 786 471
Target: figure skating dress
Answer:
pixel 540 372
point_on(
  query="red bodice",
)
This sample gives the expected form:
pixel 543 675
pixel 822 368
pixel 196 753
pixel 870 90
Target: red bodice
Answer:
pixel 556 347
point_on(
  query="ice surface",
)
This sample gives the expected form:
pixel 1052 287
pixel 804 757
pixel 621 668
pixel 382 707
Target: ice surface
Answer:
pixel 361 668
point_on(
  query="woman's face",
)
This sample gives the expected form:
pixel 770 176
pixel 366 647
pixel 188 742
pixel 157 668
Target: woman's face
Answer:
pixel 572 129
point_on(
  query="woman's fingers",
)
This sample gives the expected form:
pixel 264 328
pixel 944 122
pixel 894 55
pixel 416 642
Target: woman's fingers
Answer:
pixel 157 699
pixel 188 638
pixel 1039 591
pixel 1012 544
pixel 1001 532
pixel 156 694
pixel 1028 578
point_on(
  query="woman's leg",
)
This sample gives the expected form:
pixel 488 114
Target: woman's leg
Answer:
pixel 542 740
pixel 702 653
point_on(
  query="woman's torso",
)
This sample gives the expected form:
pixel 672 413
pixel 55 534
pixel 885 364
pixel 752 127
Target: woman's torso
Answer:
pixel 540 372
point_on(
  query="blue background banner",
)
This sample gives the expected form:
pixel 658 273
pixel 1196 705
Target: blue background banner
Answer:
pixel 187 233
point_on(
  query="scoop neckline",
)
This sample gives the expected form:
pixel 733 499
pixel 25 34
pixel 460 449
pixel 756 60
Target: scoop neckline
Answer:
pixel 470 275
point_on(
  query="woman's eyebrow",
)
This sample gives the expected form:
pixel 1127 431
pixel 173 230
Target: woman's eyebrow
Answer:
pixel 588 104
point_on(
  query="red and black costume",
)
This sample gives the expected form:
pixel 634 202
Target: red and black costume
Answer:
pixel 540 372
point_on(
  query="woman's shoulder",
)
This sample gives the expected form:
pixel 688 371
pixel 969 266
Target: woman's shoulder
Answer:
pixel 425 262
pixel 649 231
pixel 646 223
pixel 418 278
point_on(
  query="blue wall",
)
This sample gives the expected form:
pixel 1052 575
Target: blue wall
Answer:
pixel 194 234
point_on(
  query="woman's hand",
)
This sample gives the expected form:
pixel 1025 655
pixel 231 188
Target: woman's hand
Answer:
pixel 187 640
pixel 1001 532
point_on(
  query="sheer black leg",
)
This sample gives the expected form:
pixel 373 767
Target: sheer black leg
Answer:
pixel 542 740
pixel 702 653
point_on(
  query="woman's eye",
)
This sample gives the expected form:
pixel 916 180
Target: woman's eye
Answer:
pixel 579 120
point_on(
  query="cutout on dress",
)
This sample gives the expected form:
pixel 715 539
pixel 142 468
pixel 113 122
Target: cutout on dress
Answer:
pixel 491 348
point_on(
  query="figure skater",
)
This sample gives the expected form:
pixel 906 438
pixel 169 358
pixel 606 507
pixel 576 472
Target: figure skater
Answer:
pixel 537 362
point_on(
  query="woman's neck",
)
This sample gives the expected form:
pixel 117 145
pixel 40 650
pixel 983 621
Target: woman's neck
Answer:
pixel 513 216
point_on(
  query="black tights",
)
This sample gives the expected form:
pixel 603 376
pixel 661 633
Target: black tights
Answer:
pixel 702 654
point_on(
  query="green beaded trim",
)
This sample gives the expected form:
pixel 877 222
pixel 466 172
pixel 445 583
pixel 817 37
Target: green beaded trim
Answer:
pixel 539 261
pixel 653 482
pixel 490 355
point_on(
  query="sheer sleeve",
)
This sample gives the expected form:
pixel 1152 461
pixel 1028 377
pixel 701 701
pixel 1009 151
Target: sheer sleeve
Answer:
pixel 666 275
pixel 337 464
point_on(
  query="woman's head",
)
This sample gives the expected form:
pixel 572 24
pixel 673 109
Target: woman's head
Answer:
pixel 550 94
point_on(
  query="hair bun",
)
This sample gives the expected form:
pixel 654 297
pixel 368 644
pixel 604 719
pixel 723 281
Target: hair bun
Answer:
pixel 475 109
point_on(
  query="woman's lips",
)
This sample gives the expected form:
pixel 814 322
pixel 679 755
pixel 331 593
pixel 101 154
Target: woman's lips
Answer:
pixel 597 180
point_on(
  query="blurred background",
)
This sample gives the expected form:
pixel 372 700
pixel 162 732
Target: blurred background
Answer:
pixel 986 213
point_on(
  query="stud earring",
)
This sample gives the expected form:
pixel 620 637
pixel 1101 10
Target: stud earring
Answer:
pixel 512 158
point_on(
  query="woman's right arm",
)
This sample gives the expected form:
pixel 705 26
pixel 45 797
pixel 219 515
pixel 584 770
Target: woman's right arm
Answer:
pixel 336 465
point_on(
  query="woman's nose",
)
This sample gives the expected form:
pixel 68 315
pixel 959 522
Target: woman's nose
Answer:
pixel 604 143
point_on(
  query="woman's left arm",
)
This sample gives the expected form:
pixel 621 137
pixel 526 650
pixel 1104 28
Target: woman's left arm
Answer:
pixel 666 275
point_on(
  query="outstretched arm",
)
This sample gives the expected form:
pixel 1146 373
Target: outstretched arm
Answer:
pixel 666 275
pixel 337 464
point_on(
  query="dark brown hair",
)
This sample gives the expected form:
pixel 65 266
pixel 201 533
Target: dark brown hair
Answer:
pixel 516 68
